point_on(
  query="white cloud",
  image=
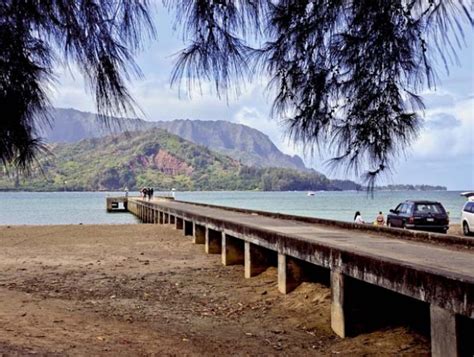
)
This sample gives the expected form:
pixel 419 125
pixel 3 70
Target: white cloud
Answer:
pixel 448 132
pixel 443 154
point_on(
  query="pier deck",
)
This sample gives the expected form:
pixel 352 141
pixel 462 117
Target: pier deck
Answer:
pixel 441 277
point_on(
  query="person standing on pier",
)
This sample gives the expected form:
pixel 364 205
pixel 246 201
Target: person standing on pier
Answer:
pixel 144 192
pixel 150 193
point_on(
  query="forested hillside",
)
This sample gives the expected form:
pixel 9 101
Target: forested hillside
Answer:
pixel 243 143
pixel 154 158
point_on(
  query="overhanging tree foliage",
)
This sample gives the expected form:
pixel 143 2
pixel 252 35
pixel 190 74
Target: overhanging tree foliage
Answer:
pixel 99 36
pixel 345 73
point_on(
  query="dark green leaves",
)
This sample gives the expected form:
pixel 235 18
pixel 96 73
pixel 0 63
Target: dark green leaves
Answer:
pixel 99 36
pixel 345 73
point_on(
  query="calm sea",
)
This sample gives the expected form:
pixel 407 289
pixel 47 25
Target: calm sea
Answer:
pixel 89 207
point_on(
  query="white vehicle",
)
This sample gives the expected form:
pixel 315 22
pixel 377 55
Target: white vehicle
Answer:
pixel 467 214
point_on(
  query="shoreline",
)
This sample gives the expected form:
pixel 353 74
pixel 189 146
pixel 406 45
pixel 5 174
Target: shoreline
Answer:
pixel 146 289
pixel 454 229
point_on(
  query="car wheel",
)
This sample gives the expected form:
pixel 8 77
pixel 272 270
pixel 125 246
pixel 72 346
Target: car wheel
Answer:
pixel 465 229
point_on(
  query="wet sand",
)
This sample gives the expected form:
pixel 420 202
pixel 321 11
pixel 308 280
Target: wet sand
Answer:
pixel 140 290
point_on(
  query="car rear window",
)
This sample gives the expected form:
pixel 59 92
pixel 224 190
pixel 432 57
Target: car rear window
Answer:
pixel 428 208
pixel 469 207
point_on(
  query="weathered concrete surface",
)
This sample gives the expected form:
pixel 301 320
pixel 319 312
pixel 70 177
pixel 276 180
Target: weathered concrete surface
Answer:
pixel 439 277
pixel 290 274
pixel 199 234
pixel 433 274
pixel 213 244
pixel 256 259
pixel 421 236
pixel 232 250
pixel 338 315
pixel 444 333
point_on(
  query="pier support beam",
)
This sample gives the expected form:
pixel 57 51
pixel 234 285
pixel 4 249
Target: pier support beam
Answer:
pixel 338 313
pixel 172 219
pixel 179 223
pixel 444 332
pixel 166 218
pixel 257 259
pixel 157 216
pixel 161 218
pixel 199 234
pixel 188 228
pixel 290 273
pixel 213 244
pixel 232 250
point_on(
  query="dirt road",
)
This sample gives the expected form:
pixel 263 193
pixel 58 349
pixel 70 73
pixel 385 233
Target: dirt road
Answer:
pixel 140 290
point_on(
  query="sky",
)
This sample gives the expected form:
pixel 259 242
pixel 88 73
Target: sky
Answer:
pixel 443 154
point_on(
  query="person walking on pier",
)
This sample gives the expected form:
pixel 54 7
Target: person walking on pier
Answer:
pixel 150 193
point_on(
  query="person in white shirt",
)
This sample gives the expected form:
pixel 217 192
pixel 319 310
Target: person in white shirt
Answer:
pixel 358 218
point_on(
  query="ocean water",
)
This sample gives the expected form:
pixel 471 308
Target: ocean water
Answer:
pixel 89 207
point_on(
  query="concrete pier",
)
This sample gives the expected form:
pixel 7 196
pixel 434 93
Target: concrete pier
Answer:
pixel 179 224
pixel 199 234
pixel 358 262
pixel 257 259
pixel 338 314
pixel 232 250
pixel 116 204
pixel 188 228
pixel 290 274
pixel 213 243
pixel 444 333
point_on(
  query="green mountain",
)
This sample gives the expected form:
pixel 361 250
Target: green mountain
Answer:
pixel 154 158
pixel 245 144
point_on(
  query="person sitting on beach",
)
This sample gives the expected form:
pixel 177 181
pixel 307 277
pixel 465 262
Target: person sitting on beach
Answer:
pixel 380 220
pixel 358 218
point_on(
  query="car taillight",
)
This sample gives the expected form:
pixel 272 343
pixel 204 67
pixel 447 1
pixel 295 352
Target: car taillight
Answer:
pixel 411 220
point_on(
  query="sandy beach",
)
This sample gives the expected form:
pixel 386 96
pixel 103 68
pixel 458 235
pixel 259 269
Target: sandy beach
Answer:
pixel 141 290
